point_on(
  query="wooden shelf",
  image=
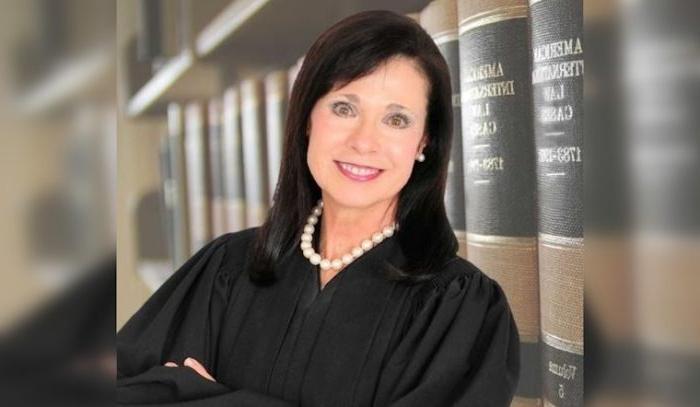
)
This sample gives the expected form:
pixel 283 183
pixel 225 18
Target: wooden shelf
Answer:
pixel 226 23
pixel 66 82
pixel 252 37
pixel 180 79
pixel 160 82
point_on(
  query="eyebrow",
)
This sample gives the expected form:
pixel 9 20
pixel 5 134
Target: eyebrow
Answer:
pixel 353 98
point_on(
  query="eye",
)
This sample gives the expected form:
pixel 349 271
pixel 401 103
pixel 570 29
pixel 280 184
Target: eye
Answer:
pixel 399 121
pixel 342 109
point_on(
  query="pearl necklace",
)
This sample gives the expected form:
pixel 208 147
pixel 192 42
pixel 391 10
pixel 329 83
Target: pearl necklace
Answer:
pixel 357 251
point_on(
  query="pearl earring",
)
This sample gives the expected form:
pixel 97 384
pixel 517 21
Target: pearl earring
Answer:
pixel 421 157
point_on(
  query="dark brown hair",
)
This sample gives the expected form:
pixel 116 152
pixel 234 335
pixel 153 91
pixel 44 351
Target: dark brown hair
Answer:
pixel 351 49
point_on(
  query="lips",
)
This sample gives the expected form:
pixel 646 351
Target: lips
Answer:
pixel 358 172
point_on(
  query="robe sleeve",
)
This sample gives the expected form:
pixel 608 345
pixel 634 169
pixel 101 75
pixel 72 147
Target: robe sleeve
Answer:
pixel 183 319
pixel 460 346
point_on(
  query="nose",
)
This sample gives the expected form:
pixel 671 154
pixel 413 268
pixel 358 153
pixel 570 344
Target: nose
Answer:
pixel 363 138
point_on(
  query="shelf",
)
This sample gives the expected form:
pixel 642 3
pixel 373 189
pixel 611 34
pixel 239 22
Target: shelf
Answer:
pixel 65 82
pixel 252 37
pixel 226 24
pixel 242 38
pixel 181 78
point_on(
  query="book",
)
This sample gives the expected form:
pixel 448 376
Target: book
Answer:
pixel 216 193
pixel 499 163
pixel 275 114
pixel 149 35
pixel 231 145
pixel 254 151
pixel 439 18
pixel 176 189
pixel 168 195
pixel 197 176
pixel 557 78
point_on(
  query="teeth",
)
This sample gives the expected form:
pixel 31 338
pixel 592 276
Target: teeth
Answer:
pixel 358 170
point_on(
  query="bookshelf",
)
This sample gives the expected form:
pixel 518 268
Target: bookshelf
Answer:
pixel 178 79
pixel 234 39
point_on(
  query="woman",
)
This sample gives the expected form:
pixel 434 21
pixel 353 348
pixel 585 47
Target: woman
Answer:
pixel 351 292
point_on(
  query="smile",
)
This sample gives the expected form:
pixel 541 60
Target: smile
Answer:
pixel 358 173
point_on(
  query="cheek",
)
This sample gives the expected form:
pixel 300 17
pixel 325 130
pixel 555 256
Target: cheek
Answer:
pixel 403 161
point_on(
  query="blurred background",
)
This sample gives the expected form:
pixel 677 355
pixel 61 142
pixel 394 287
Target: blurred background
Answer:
pixel 114 116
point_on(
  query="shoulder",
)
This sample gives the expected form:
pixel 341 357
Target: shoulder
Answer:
pixel 234 246
pixel 239 240
pixel 224 255
pixel 460 270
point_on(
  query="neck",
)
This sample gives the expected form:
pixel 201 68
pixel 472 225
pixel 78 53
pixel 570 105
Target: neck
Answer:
pixel 343 228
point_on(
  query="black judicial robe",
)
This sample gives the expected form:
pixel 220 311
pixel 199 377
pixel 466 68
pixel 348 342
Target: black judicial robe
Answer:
pixel 362 340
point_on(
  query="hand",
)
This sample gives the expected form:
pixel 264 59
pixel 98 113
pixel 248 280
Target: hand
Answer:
pixel 194 365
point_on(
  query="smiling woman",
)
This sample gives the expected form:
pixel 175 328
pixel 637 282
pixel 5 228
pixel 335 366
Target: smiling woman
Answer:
pixel 374 309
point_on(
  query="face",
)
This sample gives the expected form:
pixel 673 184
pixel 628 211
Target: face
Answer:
pixel 365 136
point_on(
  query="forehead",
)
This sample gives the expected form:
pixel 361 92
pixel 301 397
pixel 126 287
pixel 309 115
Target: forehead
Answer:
pixel 399 80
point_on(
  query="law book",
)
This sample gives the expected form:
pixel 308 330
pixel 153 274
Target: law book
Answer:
pixel 557 79
pixel 167 184
pixel 196 157
pixel 232 157
pixel 254 151
pixel 176 189
pixel 216 171
pixel 275 113
pixel 174 26
pixel 439 18
pixel 499 163
pixel 149 35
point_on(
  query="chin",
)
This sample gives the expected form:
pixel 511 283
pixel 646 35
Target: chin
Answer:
pixel 352 199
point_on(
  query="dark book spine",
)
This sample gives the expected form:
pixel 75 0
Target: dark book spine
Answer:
pixel 275 112
pixel 439 19
pixel 197 176
pixel 217 197
pixel 169 204
pixel 181 234
pixel 499 160
pixel 149 33
pixel 557 78
pixel 254 148
pixel 234 184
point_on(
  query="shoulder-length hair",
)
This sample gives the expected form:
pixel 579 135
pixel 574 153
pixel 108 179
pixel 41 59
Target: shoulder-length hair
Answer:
pixel 350 49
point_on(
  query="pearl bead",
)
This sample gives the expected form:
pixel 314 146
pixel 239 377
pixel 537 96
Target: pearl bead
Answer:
pixel 357 252
pixel 315 259
pixel 388 231
pixel 306 244
pixel 347 259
